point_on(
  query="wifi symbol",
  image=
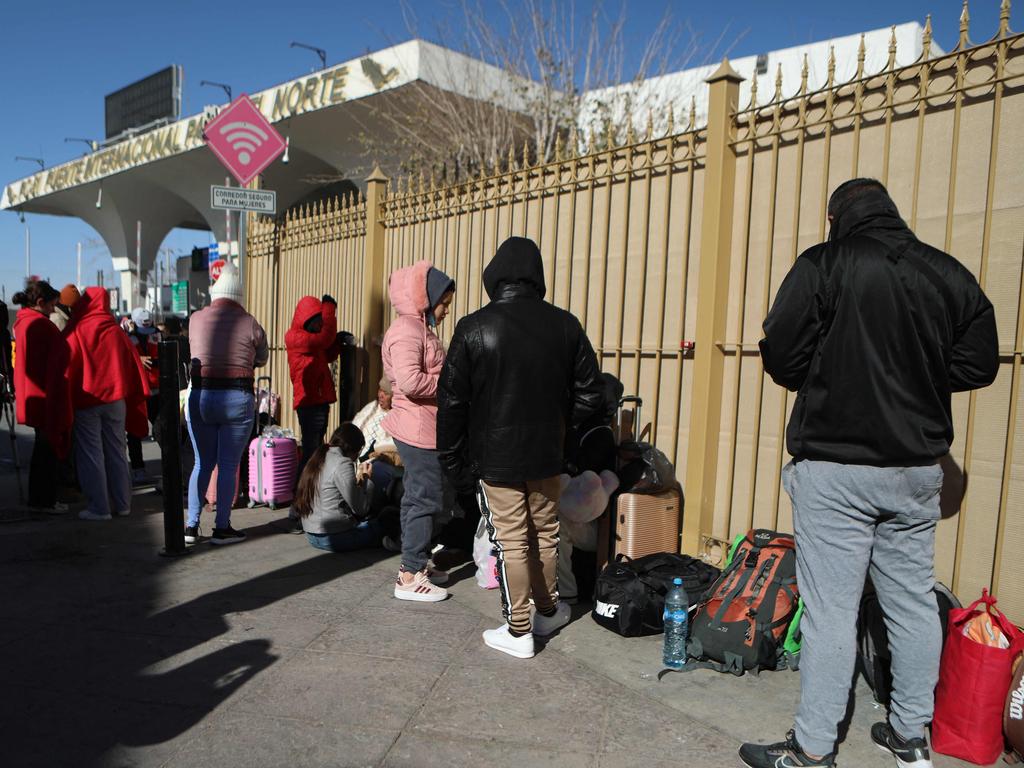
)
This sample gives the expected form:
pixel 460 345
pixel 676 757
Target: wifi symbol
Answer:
pixel 245 138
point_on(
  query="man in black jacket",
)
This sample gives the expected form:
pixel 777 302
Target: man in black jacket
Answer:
pixel 518 374
pixel 874 330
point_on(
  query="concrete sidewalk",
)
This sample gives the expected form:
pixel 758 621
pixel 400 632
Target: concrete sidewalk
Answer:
pixel 269 653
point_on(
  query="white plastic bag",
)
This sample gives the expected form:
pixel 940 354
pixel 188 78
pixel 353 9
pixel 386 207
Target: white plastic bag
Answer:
pixel 483 556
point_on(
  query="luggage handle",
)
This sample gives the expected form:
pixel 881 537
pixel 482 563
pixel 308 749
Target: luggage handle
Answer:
pixel 266 379
pixel 638 404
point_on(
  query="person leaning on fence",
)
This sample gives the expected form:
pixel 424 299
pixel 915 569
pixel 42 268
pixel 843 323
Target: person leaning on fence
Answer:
pixel 227 343
pixel 874 330
pixel 332 501
pixel 108 392
pixel 42 403
pixel 518 372
pixel 413 355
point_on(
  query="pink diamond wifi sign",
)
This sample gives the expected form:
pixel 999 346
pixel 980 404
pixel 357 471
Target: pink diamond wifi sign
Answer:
pixel 243 139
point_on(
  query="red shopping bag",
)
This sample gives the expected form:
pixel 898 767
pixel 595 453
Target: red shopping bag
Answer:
pixel 973 683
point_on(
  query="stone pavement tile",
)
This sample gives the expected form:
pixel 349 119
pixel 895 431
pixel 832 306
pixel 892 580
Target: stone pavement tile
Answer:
pixel 641 731
pixel 517 703
pixel 45 729
pixel 398 634
pixel 415 750
pixel 343 689
pixel 142 668
pixel 247 740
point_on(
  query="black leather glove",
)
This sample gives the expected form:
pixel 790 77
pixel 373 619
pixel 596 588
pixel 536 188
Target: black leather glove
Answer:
pixel 328 298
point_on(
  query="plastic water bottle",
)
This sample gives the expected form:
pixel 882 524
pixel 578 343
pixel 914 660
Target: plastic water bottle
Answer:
pixel 676 625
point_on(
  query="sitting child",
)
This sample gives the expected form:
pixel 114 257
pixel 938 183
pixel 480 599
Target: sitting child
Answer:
pixel 331 500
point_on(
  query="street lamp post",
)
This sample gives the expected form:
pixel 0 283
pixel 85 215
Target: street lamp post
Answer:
pixel 223 86
pixel 318 51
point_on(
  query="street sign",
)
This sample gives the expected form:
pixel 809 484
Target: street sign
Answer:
pixel 179 296
pixel 242 199
pixel 216 265
pixel 243 139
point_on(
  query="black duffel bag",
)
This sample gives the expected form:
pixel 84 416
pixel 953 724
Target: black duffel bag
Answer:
pixel 629 597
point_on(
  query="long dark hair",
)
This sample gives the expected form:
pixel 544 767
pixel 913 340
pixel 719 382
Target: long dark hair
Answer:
pixel 350 440
pixel 35 291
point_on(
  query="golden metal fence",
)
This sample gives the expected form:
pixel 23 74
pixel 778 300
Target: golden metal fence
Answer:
pixel 686 237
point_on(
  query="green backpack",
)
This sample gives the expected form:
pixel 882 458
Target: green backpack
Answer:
pixel 793 640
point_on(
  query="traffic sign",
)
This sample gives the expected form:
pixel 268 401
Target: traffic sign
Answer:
pixel 179 296
pixel 242 199
pixel 243 139
pixel 216 266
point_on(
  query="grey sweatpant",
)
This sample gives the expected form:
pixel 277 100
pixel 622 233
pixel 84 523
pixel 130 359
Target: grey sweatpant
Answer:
pixel 422 499
pixel 851 520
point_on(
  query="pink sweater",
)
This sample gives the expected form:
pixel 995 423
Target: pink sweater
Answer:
pixel 226 341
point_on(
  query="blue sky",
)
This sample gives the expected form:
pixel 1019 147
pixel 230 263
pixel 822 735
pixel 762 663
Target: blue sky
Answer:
pixel 61 58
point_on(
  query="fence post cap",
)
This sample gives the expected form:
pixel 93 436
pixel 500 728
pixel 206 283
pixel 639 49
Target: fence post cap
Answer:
pixel 725 72
pixel 376 174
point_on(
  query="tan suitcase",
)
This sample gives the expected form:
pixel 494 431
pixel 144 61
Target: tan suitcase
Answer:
pixel 646 523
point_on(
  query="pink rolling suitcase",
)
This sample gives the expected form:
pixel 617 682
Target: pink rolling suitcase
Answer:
pixel 272 465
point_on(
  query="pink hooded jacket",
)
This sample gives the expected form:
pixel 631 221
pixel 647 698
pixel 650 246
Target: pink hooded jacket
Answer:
pixel 413 356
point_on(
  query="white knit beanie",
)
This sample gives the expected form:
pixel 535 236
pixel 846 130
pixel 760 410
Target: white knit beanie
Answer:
pixel 228 286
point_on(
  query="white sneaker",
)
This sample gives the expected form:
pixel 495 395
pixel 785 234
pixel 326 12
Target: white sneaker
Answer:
pixel 500 640
pixel 85 514
pixel 123 513
pixel 419 590
pixel 58 508
pixel 547 625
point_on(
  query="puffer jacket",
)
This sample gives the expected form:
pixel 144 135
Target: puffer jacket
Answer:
pixel 520 372
pixel 310 354
pixel 413 356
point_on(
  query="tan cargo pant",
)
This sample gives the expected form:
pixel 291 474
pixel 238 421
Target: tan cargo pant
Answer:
pixel 522 519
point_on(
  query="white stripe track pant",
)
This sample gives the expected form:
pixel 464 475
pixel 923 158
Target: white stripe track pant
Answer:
pixel 522 519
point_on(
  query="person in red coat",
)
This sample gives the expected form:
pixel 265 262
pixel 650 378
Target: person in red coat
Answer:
pixel 108 394
pixel 42 393
pixel 312 344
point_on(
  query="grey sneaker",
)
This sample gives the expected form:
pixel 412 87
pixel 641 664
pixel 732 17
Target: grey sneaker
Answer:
pixel 909 753
pixel 784 754
pixel 548 625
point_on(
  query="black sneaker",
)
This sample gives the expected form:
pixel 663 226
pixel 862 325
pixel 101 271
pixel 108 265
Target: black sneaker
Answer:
pixel 226 536
pixel 909 753
pixel 191 534
pixel 785 754
pixel 295 525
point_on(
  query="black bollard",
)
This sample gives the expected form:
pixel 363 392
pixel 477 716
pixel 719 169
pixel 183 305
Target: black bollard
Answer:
pixel 170 451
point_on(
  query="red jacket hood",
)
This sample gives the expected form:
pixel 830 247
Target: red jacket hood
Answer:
pixel 307 308
pixel 407 289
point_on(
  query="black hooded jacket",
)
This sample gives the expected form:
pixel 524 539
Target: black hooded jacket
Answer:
pixel 874 330
pixel 519 372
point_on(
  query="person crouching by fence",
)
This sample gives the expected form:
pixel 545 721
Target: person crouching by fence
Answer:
pixel 227 343
pixel 413 355
pixel 332 500
pixel 42 402
pixel 108 392
pixel 312 345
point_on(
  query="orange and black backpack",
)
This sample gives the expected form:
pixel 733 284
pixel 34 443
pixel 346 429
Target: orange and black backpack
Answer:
pixel 741 623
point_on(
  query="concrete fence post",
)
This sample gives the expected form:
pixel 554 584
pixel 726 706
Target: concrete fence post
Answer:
pixel 373 279
pixel 712 304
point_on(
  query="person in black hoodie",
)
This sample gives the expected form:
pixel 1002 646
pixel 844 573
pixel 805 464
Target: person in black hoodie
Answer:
pixel 874 330
pixel 519 373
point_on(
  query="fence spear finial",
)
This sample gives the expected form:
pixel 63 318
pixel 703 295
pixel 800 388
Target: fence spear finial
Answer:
pixel 831 65
pixel 591 141
pixel 670 123
pixel 778 82
pixel 892 48
pixel 630 136
pixel 511 159
pixel 609 134
pixel 650 125
pixel 1004 18
pixel 926 39
pixel 526 154
pixel 862 53
pixel 804 73
pixel 965 25
pixel 558 147
pixel 753 90
pixel 693 112
pixel 574 142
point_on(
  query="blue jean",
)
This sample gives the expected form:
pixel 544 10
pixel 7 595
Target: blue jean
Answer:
pixel 364 536
pixel 219 423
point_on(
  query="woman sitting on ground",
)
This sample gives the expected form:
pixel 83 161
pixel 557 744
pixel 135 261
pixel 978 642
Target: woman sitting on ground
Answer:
pixel 332 500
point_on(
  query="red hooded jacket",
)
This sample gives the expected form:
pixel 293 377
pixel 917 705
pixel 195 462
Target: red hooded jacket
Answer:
pixel 39 378
pixel 104 367
pixel 310 354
